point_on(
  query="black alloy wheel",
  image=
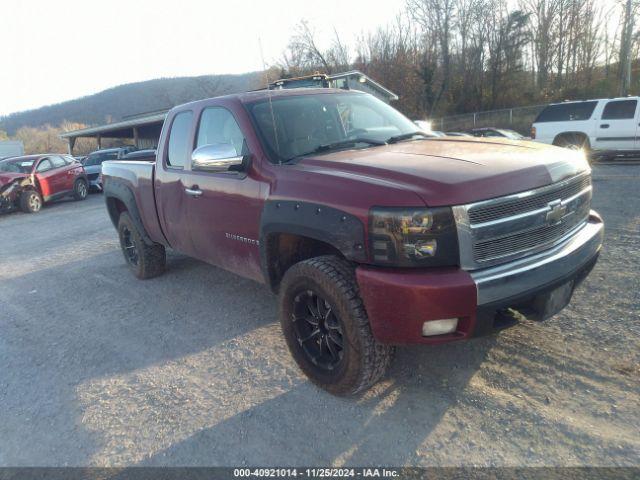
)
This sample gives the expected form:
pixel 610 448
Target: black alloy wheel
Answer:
pixel 318 330
pixel 146 260
pixel 326 327
pixel 129 247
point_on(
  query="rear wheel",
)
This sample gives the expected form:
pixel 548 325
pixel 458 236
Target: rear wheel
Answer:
pixel 326 327
pixel 30 201
pixel 80 189
pixel 145 261
pixel 574 141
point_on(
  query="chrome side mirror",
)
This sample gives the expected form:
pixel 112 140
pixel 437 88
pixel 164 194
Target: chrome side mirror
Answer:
pixel 218 157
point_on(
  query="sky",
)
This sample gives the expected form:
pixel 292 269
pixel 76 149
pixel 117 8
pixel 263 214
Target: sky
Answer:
pixel 57 50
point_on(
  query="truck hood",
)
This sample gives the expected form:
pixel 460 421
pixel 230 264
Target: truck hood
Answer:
pixel 453 171
pixel 8 177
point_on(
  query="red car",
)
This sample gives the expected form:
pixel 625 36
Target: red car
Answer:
pixel 29 181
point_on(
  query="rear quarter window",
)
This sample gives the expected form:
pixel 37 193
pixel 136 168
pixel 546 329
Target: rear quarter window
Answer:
pixel 58 162
pixel 567 112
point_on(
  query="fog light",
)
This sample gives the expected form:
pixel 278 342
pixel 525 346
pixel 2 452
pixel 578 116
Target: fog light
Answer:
pixel 439 327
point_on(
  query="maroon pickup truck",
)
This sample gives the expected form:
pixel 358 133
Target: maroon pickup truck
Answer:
pixel 371 233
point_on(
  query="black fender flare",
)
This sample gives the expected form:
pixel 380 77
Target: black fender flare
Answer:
pixel 341 230
pixel 115 189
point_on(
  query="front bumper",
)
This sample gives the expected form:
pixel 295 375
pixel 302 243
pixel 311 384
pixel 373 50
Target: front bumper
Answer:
pixel 399 301
pixel 94 178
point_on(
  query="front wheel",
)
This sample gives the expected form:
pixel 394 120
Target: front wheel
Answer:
pixel 145 261
pixel 30 201
pixel 80 189
pixel 326 327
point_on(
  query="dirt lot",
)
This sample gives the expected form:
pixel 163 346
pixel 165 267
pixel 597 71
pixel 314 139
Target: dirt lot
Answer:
pixel 98 368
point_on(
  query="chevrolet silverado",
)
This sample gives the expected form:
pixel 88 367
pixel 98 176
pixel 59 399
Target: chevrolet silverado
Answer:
pixel 371 232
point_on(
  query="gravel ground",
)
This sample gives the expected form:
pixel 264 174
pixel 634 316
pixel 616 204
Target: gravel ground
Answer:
pixel 98 368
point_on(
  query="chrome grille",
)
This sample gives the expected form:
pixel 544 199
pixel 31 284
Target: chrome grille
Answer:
pixel 506 228
pixel 487 213
pixel 524 240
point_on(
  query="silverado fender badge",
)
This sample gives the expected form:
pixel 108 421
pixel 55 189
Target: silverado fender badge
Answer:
pixel 242 239
pixel 557 211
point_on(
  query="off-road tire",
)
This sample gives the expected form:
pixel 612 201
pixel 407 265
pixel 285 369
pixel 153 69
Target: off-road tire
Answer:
pixel 30 201
pixel 364 360
pixel 150 260
pixel 80 189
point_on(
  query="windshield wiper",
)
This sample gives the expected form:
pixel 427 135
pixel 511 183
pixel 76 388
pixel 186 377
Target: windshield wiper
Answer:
pixel 346 143
pixel 335 145
pixel 407 136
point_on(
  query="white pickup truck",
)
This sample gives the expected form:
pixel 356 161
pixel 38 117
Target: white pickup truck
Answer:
pixel 608 126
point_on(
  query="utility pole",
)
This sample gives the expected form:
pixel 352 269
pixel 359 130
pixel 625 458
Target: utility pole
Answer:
pixel 629 44
pixel 625 58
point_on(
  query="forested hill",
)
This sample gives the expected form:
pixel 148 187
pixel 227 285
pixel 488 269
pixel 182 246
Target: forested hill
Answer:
pixel 115 103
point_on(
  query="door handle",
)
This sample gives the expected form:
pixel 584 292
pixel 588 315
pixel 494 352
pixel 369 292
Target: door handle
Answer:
pixel 193 191
pixel 604 125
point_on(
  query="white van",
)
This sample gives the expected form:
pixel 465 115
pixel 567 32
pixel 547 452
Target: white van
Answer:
pixel 11 148
pixel 610 125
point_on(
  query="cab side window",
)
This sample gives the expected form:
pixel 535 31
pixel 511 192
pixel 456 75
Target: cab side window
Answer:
pixel 44 166
pixel 218 126
pixel 620 110
pixel 178 150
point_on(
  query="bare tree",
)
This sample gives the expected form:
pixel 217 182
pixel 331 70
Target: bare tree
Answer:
pixel 542 16
pixel 451 56
pixel 437 18
pixel 626 44
pixel 303 52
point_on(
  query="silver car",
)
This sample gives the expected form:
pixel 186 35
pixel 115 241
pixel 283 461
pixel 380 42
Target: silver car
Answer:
pixel 93 164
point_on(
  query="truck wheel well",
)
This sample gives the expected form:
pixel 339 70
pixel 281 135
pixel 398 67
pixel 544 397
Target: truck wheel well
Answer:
pixel 562 139
pixel 115 207
pixel 283 250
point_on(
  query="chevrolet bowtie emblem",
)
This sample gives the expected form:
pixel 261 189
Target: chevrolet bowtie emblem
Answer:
pixel 557 210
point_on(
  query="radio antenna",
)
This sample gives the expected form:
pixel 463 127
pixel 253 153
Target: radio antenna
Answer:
pixel 273 118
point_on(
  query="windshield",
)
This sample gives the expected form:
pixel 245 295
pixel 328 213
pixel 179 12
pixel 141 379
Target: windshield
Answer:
pixel 16 165
pixel 99 157
pixel 305 124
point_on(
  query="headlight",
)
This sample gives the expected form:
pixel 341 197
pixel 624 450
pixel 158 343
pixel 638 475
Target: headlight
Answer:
pixel 413 237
